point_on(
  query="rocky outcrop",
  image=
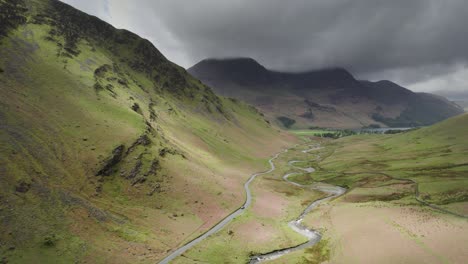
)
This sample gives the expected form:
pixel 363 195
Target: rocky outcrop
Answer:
pixel 112 161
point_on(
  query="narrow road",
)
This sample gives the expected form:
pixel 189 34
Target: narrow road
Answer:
pixel 226 220
pixel 296 224
pixel 313 236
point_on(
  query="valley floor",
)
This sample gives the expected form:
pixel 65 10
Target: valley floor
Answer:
pixel 378 220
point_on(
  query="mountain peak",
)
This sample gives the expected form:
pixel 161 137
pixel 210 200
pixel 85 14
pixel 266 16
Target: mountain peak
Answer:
pixel 333 73
pixel 333 70
pixel 232 60
pixel 244 63
pixel 240 70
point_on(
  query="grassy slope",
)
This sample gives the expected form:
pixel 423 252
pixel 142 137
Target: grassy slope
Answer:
pixel 434 157
pixel 61 119
pixel 380 172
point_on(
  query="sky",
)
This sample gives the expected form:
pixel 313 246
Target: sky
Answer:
pixel 420 44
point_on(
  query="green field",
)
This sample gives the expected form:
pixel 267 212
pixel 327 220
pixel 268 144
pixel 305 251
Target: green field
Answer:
pixel 435 158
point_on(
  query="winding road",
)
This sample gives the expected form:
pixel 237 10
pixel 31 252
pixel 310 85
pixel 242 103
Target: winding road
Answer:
pixel 226 220
pixel 312 235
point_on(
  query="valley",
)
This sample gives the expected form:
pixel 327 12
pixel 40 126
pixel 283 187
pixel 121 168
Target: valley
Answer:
pixel 112 153
pixel 418 207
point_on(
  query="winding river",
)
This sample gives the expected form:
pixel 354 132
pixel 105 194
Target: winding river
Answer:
pixel 296 225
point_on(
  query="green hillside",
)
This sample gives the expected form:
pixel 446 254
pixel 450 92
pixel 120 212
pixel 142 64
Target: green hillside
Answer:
pixel 434 160
pixel 108 151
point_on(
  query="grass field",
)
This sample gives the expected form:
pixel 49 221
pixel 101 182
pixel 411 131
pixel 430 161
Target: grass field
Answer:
pixel 385 174
pixel 311 132
pixel 436 158
pixel 324 133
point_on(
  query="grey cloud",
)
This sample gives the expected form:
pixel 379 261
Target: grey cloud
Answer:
pixel 362 35
pixel 411 40
pixel 97 8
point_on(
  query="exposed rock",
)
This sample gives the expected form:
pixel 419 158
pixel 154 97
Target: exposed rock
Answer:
pixel 23 187
pixel 155 167
pixel 109 165
pixel 143 140
pixel 150 129
pixel 102 70
pixel 139 180
pixel 136 170
pixel 153 170
pixel 123 82
pixel 136 107
pixel 156 189
pixel 164 151
pixel 98 87
pixel 153 115
pixel 49 241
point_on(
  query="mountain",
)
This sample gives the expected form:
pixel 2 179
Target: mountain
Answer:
pixel 458 97
pixel 108 151
pixel 323 98
pixel 463 104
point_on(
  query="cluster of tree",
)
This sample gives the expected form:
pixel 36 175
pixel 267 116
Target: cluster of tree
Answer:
pixel 338 134
pixel 344 133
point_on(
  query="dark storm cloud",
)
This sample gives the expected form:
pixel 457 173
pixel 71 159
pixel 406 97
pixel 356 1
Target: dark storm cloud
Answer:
pixel 410 40
pixel 363 35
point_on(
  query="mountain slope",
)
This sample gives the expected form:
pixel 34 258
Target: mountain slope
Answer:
pixel 325 98
pixel 108 151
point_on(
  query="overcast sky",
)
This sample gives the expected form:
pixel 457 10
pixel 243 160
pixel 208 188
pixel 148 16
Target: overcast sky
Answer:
pixel 421 44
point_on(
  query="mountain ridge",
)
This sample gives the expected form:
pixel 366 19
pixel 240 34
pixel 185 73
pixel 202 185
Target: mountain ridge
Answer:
pixel 357 102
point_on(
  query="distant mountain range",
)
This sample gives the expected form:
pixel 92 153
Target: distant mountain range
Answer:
pixel 323 98
pixel 458 97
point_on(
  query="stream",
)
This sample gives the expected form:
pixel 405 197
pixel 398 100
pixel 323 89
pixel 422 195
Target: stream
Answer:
pixel 312 235
pixel 296 224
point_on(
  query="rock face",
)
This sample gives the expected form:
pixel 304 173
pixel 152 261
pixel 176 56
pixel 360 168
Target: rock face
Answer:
pixel 113 160
pixel 325 98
